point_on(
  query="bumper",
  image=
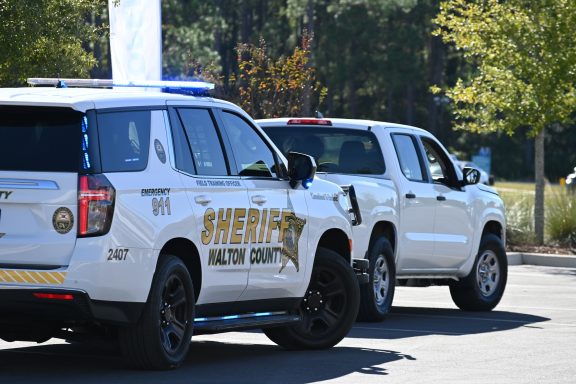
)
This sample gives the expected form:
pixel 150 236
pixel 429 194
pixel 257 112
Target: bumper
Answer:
pixel 41 305
pixel 361 269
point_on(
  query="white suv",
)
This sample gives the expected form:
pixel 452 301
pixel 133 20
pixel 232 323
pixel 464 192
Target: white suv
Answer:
pixel 154 216
pixel 424 221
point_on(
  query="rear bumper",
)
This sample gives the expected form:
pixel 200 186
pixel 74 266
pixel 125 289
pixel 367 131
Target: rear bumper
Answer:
pixel 21 305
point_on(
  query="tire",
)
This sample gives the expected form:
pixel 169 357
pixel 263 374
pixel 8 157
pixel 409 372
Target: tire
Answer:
pixel 328 309
pixel 162 336
pixel 376 296
pixel 483 288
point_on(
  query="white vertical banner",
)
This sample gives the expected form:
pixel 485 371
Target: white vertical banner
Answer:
pixel 135 40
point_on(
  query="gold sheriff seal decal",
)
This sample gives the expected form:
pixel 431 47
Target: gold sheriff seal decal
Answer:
pixel 290 244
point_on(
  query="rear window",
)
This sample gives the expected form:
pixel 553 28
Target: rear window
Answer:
pixel 335 150
pixel 40 139
pixel 124 139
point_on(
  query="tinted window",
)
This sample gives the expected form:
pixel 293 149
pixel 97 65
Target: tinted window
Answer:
pixel 335 150
pixel 40 139
pixel 408 157
pixel 204 142
pixel 252 155
pixel 440 166
pixel 124 140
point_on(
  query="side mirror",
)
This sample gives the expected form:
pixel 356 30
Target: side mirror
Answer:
pixel 471 176
pixel 301 168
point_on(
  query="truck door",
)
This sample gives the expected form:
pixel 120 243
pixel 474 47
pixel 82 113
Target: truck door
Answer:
pixel 417 207
pixel 453 222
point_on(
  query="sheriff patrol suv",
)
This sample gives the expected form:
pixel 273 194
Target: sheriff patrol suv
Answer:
pixel 153 216
pixel 424 221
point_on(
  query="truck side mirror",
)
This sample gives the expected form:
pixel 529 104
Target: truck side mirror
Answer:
pixel 301 168
pixel 471 176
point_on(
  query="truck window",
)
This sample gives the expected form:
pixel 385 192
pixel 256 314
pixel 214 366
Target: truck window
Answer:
pixel 408 158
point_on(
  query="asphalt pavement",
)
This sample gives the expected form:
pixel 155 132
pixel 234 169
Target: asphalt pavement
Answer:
pixel 529 338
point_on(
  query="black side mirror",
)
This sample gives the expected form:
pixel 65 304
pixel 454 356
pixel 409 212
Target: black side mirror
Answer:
pixel 301 168
pixel 471 176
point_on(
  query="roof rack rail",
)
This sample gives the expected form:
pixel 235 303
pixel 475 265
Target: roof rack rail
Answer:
pixel 192 88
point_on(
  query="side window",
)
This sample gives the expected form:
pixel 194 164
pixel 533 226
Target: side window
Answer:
pixel 440 166
pixel 204 142
pixel 407 153
pixel 253 157
pixel 124 140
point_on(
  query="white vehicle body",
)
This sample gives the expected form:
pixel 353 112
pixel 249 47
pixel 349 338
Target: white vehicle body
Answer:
pixel 434 226
pixel 233 230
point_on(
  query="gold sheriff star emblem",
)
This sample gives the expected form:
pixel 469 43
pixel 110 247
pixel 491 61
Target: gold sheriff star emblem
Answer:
pixel 290 244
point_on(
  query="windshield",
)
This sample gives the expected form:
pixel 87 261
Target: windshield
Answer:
pixel 335 150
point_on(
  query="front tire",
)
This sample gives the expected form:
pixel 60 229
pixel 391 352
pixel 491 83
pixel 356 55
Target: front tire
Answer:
pixel 161 338
pixel 483 288
pixel 376 296
pixel 328 309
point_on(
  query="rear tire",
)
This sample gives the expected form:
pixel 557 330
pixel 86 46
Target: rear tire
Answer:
pixel 161 338
pixel 483 288
pixel 376 296
pixel 328 309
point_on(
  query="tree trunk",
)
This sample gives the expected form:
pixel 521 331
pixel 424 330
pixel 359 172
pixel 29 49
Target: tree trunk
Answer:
pixel 539 192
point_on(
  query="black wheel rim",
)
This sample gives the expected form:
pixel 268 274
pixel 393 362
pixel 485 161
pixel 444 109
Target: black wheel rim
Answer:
pixel 173 314
pixel 324 304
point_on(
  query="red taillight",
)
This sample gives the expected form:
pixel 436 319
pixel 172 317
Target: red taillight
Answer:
pixel 95 205
pixel 309 121
pixel 54 296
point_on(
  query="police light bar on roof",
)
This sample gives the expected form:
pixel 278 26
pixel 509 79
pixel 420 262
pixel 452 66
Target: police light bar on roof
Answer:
pixel 192 87
pixel 309 121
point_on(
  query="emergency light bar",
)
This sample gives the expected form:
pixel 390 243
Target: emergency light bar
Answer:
pixel 170 86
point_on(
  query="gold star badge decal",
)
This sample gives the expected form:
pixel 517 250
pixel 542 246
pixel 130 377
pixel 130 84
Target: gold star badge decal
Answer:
pixel 291 238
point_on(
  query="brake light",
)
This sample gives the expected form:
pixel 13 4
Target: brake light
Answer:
pixel 54 296
pixel 309 121
pixel 95 205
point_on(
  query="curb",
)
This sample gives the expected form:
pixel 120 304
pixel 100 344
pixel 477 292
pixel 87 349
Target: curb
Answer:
pixel 558 261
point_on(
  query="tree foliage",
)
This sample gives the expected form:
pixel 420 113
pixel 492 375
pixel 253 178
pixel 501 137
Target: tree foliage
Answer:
pixel 46 38
pixel 274 87
pixel 524 53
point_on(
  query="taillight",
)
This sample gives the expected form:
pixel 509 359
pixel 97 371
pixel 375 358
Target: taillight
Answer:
pixel 53 296
pixel 95 205
pixel 309 121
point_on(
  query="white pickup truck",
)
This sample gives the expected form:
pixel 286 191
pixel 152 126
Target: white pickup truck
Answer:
pixel 423 220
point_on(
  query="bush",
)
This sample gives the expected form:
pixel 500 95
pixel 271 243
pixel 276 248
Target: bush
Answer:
pixel 519 218
pixel 561 218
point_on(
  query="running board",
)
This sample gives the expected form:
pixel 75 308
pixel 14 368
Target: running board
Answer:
pixel 220 324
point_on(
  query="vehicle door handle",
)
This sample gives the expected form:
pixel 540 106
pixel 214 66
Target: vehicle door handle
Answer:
pixel 259 199
pixel 410 196
pixel 202 199
pixel 441 198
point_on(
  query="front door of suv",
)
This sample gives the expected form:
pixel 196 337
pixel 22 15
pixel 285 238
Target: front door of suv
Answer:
pixel 275 222
pixel 219 201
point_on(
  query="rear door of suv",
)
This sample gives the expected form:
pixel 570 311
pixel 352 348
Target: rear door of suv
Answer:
pixel 40 157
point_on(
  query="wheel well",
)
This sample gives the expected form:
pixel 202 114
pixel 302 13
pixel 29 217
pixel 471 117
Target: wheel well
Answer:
pixel 337 241
pixel 188 253
pixel 493 227
pixel 386 229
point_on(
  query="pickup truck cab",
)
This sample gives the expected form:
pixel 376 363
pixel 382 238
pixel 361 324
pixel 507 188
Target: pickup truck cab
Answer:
pixel 424 221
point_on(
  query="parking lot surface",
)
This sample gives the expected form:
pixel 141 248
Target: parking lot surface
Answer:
pixel 529 338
